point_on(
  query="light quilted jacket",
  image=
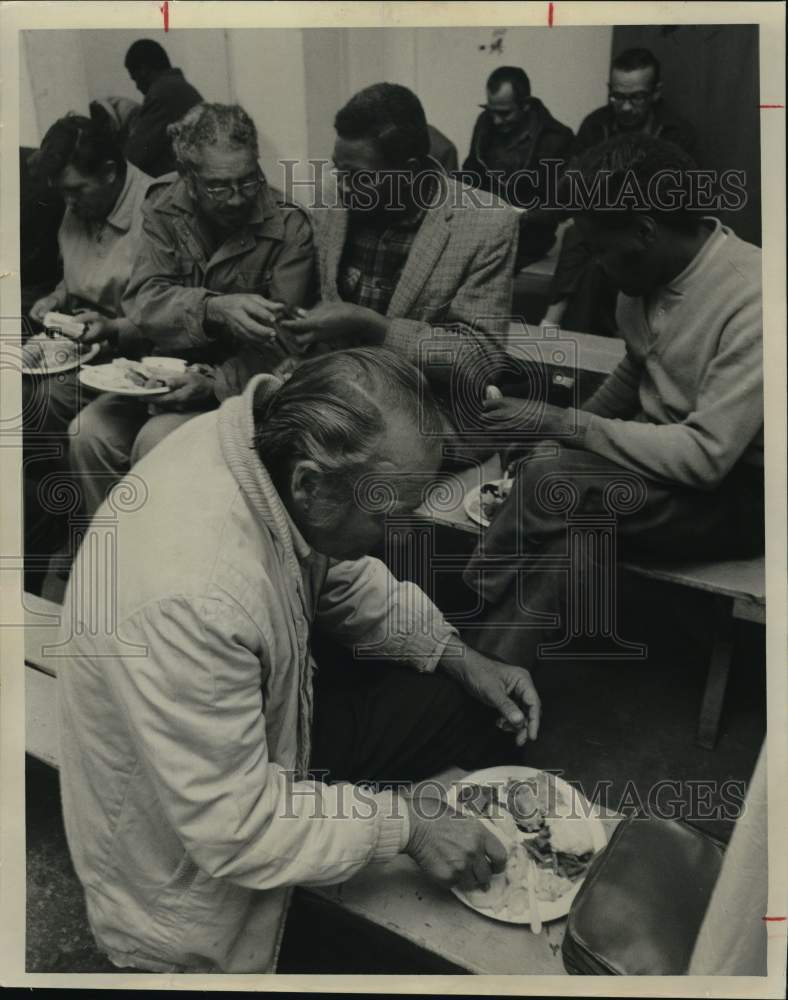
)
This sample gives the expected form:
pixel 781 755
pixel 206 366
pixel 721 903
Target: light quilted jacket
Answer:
pixel 185 704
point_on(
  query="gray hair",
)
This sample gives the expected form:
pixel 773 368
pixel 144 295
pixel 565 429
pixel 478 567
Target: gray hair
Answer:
pixel 211 125
pixel 333 411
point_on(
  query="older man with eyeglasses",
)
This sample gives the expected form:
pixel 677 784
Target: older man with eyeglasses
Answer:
pixel 221 260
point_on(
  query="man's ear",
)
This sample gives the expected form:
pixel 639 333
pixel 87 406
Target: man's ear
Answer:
pixel 305 479
pixel 109 171
pixel 656 94
pixel 646 230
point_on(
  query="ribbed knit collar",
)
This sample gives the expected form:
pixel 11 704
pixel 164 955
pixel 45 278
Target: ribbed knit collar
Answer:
pixel 715 240
pixel 236 436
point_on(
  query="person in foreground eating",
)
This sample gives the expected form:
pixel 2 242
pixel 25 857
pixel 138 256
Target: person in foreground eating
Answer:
pixel 220 257
pixel 671 444
pixel 188 729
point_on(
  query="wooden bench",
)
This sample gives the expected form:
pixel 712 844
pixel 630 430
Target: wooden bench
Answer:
pixel 739 589
pixel 42 619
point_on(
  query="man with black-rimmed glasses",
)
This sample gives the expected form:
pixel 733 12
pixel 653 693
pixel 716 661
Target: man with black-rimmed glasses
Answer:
pixel 221 259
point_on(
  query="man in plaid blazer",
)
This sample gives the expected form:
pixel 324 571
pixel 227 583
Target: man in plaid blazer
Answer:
pixel 409 257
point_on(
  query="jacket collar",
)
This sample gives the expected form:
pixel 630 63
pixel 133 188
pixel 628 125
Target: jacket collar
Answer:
pixel 122 214
pixel 680 284
pixel 236 432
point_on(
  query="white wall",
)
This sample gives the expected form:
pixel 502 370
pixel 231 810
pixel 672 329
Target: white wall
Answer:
pixel 568 69
pixel 68 69
pixel 446 67
pixel 292 80
pixel 28 118
pixel 267 79
pixel 56 77
pixel 200 53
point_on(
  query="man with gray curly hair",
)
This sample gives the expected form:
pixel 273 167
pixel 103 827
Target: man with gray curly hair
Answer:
pixel 221 259
pixel 207 766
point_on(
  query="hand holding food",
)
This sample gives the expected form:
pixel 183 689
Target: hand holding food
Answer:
pixel 42 306
pixel 453 849
pixel 189 391
pixel 550 845
pixel 65 325
pixel 336 320
pixel 249 317
pixel 97 329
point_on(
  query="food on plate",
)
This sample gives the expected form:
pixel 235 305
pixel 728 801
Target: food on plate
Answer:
pixel 33 355
pixel 69 326
pixel 537 821
pixel 569 835
pixel 49 352
pixel 146 376
pixel 492 496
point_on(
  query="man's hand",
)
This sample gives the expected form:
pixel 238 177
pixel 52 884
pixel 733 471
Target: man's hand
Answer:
pixel 504 687
pixel 335 320
pixel 511 413
pixel 451 848
pixel 49 303
pixel 252 318
pixel 98 329
pixel 190 391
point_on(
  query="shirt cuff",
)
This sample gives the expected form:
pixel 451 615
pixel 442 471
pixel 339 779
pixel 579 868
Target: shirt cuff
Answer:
pixel 394 827
pixel 576 427
pixel 425 653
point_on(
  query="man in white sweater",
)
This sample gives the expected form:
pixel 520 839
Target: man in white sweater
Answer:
pixel 671 445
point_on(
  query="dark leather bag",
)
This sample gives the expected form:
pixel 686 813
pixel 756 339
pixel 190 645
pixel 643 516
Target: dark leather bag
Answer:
pixel 640 908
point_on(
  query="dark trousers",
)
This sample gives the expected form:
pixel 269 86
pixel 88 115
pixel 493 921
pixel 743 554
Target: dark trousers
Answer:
pixel 50 403
pixel 547 567
pixel 382 722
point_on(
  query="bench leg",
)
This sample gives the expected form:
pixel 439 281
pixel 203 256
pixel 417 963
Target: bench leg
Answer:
pixel 717 678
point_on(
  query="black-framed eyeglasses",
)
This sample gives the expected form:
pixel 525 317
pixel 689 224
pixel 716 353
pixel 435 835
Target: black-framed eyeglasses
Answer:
pixel 638 97
pixel 512 109
pixel 223 192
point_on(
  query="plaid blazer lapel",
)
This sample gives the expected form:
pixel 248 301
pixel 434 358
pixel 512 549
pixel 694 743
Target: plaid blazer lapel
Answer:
pixel 331 243
pixel 427 247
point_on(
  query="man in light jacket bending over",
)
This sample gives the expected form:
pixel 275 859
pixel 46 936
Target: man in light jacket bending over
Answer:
pixel 207 766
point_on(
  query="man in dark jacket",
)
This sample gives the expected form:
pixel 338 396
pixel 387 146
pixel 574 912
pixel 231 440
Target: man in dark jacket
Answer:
pixel 168 96
pixel 635 105
pixel 514 138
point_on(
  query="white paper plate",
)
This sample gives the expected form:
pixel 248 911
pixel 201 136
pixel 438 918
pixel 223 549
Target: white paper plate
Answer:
pixel 548 909
pixel 473 505
pixel 60 355
pixel 109 378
